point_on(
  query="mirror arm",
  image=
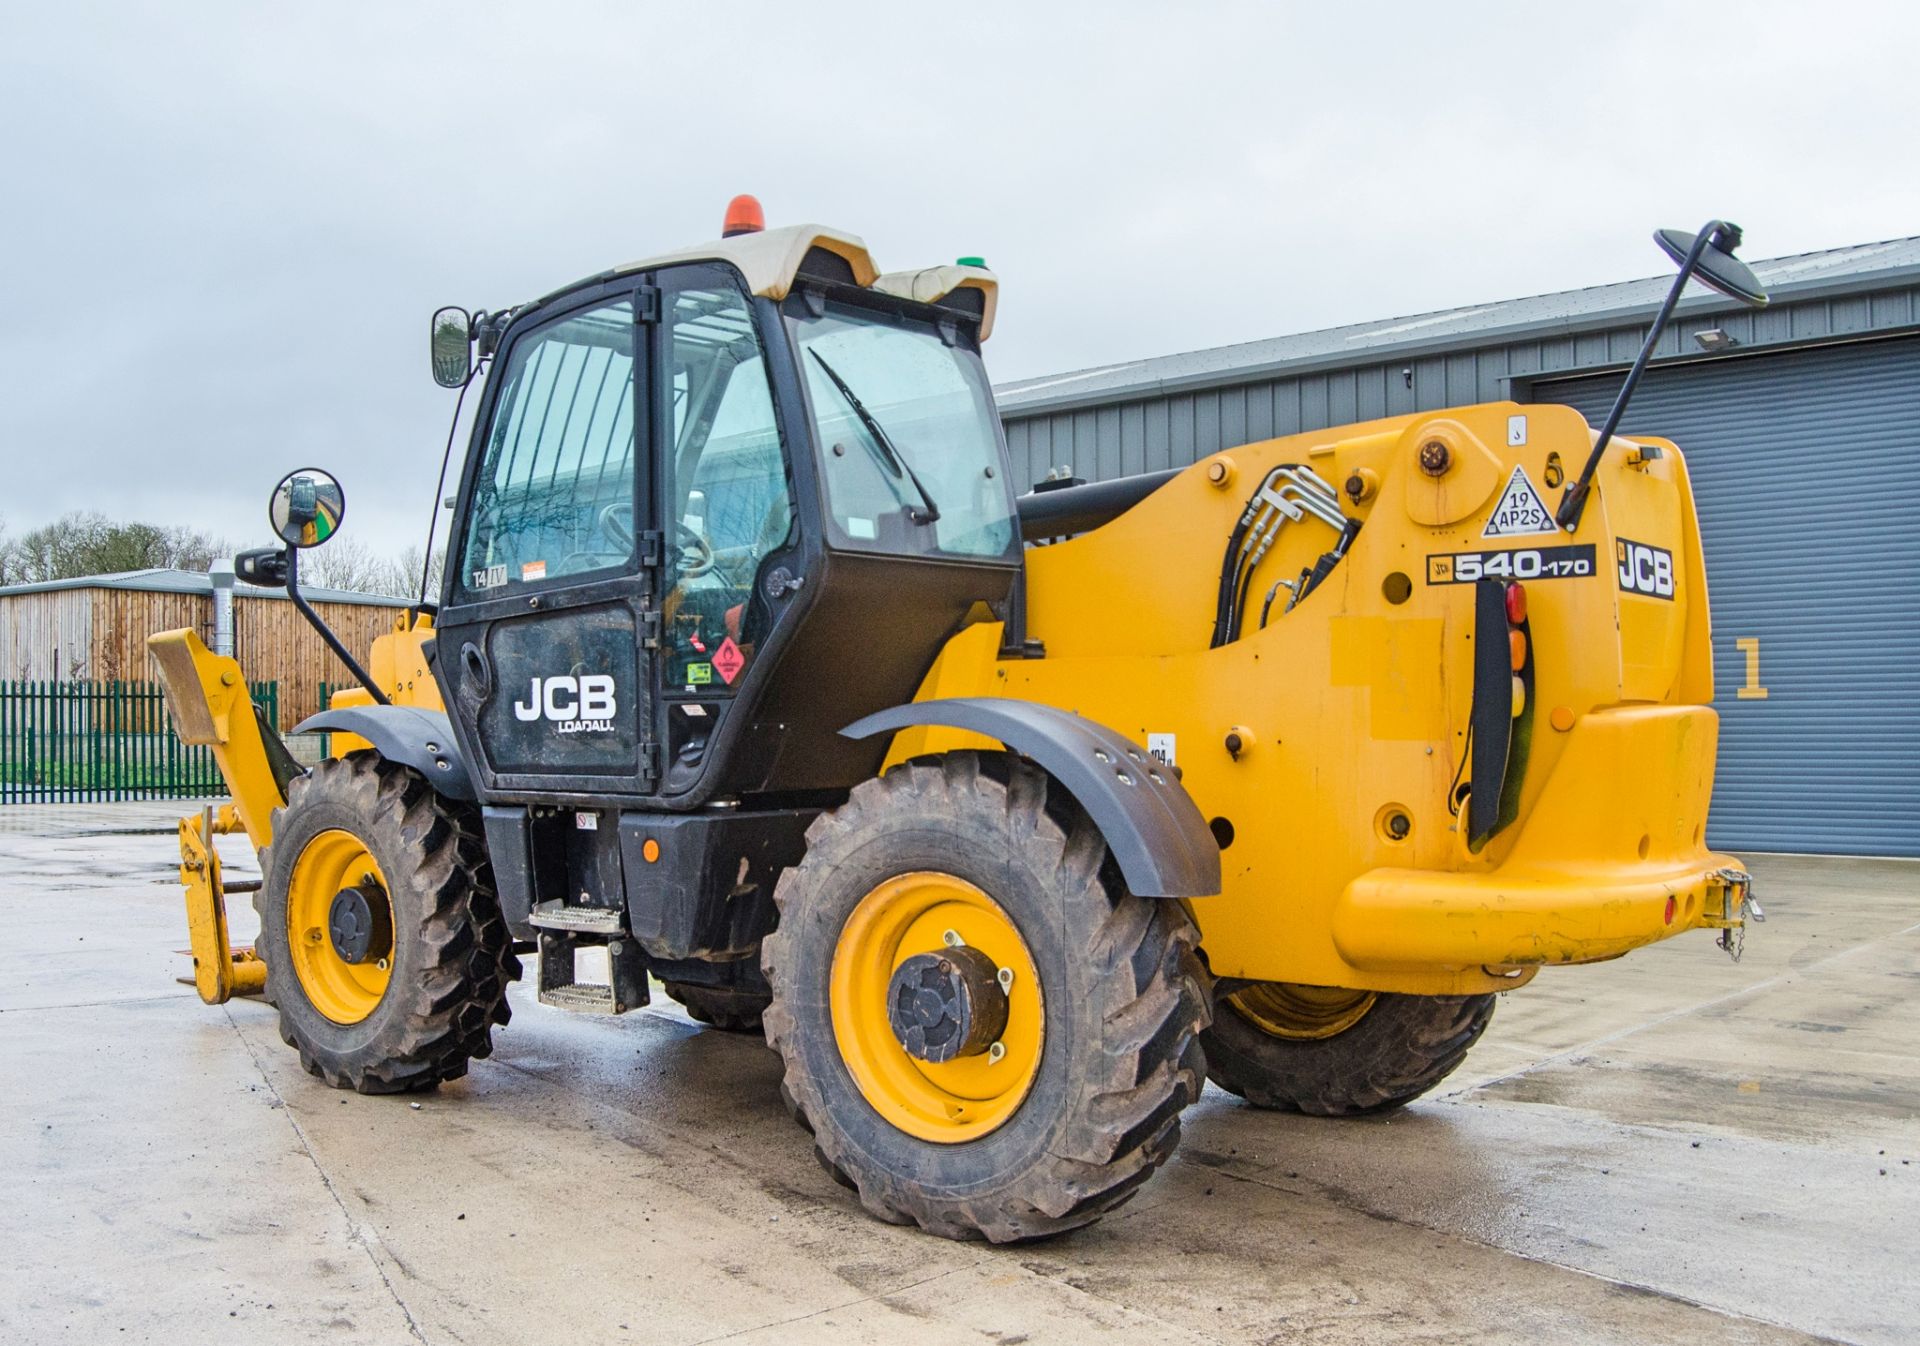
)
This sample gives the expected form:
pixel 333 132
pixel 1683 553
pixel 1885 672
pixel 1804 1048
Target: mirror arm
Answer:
pixel 319 624
pixel 1574 503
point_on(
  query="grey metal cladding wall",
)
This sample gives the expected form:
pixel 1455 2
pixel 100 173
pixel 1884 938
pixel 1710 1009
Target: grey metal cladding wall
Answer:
pixel 1806 471
pixel 1150 431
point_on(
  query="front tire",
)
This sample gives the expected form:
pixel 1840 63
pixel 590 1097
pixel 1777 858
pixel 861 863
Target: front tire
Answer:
pixel 1078 1099
pixel 1338 1054
pixel 410 1008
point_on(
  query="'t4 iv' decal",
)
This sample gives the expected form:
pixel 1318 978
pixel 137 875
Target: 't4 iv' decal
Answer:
pixel 1521 512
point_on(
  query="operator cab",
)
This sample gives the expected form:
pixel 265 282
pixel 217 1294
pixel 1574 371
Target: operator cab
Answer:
pixel 717 506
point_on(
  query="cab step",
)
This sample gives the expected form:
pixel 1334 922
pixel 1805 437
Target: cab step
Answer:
pixel 626 985
pixel 558 915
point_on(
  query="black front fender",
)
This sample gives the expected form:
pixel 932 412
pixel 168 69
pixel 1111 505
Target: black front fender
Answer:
pixel 422 739
pixel 1156 832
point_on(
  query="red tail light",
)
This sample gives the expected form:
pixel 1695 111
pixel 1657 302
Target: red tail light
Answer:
pixel 1516 603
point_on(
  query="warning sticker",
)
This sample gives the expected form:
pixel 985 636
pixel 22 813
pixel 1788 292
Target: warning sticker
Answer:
pixel 698 674
pixel 1521 511
pixel 534 570
pixel 728 660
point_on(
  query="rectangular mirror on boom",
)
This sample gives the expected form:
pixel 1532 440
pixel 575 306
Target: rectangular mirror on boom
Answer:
pixel 452 346
pixel 1706 257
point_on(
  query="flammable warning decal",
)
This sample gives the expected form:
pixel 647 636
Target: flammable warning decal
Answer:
pixel 1521 512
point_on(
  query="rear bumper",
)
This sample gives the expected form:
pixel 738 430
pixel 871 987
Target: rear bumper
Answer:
pixel 1407 918
pixel 1608 857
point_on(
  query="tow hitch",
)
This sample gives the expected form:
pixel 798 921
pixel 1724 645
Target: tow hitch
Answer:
pixel 1737 907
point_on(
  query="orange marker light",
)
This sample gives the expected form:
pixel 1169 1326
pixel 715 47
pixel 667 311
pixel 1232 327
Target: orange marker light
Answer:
pixel 744 216
pixel 1517 647
pixel 650 850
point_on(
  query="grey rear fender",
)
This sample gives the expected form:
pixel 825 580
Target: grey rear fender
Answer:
pixel 421 739
pixel 1155 831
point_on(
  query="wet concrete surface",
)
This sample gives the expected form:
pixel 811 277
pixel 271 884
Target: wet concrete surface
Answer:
pixel 1668 1148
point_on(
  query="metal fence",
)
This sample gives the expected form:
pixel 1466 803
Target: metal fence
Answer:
pixel 92 741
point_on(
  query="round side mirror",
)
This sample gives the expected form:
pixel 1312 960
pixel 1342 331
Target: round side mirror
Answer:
pixel 307 507
pixel 1718 269
pixel 452 346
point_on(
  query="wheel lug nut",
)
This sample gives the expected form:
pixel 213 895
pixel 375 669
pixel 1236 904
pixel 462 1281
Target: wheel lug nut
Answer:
pixel 995 1052
pixel 1005 978
pixel 952 939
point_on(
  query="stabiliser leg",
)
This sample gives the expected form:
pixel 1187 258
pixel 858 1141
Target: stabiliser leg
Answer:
pixel 220 971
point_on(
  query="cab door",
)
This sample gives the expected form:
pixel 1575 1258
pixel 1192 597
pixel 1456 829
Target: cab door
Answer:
pixel 544 646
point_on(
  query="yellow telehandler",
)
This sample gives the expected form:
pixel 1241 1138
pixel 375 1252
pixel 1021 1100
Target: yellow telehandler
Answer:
pixel 1009 819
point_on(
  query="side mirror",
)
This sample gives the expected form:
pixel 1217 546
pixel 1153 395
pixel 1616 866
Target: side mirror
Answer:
pixel 1716 267
pixel 306 508
pixel 452 346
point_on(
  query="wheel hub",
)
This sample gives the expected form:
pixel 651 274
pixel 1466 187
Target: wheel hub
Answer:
pixel 360 924
pixel 947 1004
pixel 339 926
pixel 937 1007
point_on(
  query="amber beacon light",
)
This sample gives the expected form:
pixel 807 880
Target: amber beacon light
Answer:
pixel 744 216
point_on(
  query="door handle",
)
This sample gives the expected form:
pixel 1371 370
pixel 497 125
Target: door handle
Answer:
pixel 478 682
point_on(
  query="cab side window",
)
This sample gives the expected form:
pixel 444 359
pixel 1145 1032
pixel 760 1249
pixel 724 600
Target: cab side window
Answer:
pixel 555 492
pixel 728 502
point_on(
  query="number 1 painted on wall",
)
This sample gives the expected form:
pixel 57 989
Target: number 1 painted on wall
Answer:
pixel 1753 691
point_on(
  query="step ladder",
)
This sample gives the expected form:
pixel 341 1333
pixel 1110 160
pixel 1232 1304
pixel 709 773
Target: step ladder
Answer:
pixel 565 928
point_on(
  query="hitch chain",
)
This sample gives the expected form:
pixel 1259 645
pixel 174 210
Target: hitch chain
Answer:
pixel 1733 934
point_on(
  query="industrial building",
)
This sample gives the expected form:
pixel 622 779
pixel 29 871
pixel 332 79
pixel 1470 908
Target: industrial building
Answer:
pixel 1801 426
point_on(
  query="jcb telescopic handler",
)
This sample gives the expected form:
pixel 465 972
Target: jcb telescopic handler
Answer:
pixel 750 678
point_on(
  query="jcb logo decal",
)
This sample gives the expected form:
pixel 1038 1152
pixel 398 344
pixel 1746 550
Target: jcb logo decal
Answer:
pixel 583 705
pixel 1644 569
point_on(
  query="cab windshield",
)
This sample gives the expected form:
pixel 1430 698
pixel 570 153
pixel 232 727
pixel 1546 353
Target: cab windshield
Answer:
pixel 909 444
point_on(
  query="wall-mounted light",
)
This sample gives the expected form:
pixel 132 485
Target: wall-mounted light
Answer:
pixel 1715 339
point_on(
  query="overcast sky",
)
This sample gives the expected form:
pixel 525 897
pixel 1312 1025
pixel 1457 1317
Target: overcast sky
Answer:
pixel 224 226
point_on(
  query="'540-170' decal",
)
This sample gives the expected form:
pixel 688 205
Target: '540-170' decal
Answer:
pixel 1524 563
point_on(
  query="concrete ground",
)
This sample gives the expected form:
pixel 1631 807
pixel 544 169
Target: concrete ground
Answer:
pixel 1669 1148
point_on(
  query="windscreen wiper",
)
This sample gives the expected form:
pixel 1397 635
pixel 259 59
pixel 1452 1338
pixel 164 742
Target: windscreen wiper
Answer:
pixel 891 457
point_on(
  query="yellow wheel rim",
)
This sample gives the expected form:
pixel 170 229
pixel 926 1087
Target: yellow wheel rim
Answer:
pixel 952 1101
pixel 345 992
pixel 1307 1013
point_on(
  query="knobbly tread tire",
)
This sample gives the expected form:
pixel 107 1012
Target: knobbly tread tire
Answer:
pixel 452 958
pixel 1403 1047
pixel 1126 998
pixel 724 1008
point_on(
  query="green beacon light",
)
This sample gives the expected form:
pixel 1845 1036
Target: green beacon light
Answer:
pixel 980 262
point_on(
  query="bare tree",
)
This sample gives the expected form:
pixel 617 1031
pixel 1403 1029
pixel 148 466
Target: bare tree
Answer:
pixel 80 544
pixel 345 563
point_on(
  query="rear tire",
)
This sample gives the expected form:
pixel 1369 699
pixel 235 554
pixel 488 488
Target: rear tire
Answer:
pixel 1117 990
pixel 729 1009
pixel 1399 1047
pixel 419 1020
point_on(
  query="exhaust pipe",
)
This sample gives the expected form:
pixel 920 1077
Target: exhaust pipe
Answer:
pixel 221 573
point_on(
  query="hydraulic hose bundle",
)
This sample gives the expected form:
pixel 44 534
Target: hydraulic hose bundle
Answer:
pixel 1289 492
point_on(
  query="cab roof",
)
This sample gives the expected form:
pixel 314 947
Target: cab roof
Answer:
pixel 771 259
